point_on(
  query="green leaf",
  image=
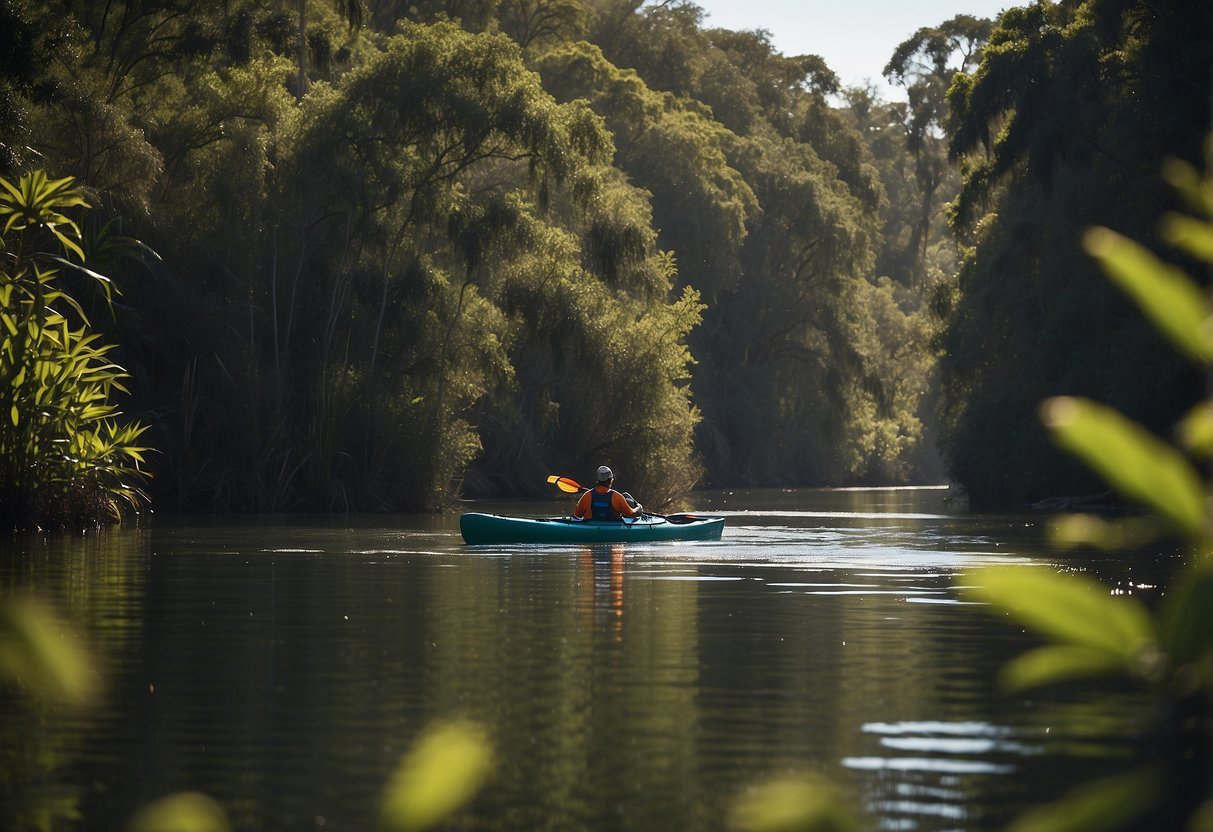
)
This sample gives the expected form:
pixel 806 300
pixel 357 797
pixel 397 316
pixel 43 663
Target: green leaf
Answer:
pixel 1186 617
pixel 1195 430
pixel 1074 530
pixel 1188 181
pixel 445 768
pixel 1105 804
pixel 1168 297
pixel 67 241
pixel 181 812
pixel 1057 663
pixel 105 282
pixel 1133 461
pixel 35 650
pixel 12 191
pixel 14 221
pixel 1074 610
pixel 794 803
pixel 1190 234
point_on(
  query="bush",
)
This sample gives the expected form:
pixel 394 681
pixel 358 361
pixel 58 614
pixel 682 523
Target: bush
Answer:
pixel 65 458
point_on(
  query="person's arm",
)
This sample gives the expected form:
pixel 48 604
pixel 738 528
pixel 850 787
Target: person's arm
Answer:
pixel 621 505
pixel 583 506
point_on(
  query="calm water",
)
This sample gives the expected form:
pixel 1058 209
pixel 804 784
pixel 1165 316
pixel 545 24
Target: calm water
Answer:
pixel 283 665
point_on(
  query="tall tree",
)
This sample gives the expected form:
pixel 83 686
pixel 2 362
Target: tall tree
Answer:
pixel 541 21
pixel 924 66
pixel 776 235
pixel 1064 124
pixel 353 11
pixel 398 185
pixel 426 260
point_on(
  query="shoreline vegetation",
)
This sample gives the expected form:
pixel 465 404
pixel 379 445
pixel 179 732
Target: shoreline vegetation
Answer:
pixel 67 457
pixel 372 258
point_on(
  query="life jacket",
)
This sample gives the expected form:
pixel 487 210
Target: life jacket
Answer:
pixel 600 505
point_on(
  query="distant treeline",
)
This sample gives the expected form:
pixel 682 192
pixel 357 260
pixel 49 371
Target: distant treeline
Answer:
pixel 410 250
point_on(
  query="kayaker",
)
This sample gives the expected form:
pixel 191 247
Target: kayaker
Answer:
pixel 605 503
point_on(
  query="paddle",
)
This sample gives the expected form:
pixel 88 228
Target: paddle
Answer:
pixel 571 486
pixel 566 484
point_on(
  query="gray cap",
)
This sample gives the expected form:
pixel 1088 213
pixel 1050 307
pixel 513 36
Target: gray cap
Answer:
pixel 604 474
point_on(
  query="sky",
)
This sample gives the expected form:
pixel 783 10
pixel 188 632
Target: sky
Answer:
pixel 855 37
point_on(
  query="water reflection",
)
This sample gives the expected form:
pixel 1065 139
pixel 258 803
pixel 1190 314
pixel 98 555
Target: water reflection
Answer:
pixel 282 666
pixel 603 568
pixel 86 584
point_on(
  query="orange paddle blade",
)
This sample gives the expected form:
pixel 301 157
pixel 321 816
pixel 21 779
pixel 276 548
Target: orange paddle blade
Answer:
pixel 565 484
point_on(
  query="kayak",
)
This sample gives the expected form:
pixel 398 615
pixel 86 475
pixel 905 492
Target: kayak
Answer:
pixel 496 528
pixel 647 528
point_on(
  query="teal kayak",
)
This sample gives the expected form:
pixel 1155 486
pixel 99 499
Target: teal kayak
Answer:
pixel 647 528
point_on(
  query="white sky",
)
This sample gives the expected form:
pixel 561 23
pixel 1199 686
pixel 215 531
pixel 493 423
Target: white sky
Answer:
pixel 855 37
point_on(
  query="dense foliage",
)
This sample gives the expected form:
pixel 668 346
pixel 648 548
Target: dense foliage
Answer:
pixel 1064 125
pixel 412 250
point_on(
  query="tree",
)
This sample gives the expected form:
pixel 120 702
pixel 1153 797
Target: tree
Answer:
pixel 1062 126
pixel 541 21
pixel 367 287
pixel 924 66
pixel 768 198
pixel 407 190
pixel 353 11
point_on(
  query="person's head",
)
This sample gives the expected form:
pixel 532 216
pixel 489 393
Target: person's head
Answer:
pixel 605 476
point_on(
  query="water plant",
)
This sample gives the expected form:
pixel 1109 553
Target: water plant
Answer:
pixel 66 456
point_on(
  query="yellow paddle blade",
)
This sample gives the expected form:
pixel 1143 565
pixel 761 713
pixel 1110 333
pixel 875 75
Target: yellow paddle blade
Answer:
pixel 565 484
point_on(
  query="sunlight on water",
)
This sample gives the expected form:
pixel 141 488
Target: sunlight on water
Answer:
pixel 831 515
pixel 281 665
pixel 950 738
pixel 928 764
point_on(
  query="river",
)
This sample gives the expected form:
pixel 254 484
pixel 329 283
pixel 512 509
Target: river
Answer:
pixel 283 665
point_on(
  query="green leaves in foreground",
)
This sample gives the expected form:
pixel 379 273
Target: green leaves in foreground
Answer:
pixel 1092 632
pixel 445 768
pixel 1110 803
pixel 181 812
pixel 1169 298
pixel 795 804
pixel 38 652
pixel 1131 460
